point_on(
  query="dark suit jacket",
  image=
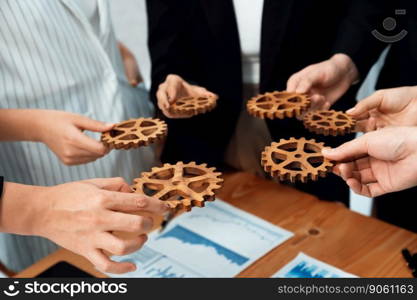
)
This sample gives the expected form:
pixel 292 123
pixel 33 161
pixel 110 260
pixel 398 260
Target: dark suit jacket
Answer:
pixel 198 40
pixel 400 69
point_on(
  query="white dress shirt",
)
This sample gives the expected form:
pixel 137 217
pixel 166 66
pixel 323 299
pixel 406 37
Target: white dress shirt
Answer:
pixel 52 58
pixel 249 21
pixel 251 134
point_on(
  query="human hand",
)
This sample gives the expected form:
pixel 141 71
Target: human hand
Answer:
pixel 325 82
pixel 81 216
pixel 174 88
pixel 63 133
pixel 390 107
pixel 131 65
pixel 378 162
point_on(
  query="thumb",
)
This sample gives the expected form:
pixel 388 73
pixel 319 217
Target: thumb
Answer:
pixel 85 123
pixel 349 151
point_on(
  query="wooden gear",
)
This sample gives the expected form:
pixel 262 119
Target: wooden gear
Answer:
pixel 135 133
pixel 278 105
pixel 295 160
pixel 192 106
pixel 182 186
pixel 329 122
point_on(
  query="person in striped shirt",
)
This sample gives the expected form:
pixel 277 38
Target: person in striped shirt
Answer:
pixel 61 59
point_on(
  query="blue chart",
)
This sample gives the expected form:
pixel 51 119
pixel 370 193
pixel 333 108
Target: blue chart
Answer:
pixel 306 270
pixel 166 272
pixel 304 266
pixel 217 241
pixel 188 237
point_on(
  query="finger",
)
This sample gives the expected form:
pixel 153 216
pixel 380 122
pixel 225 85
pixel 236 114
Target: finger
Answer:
pixel 134 202
pixel 375 189
pixel 118 246
pixel 307 81
pixel 357 148
pixel 75 161
pixel 117 184
pixel 292 82
pixel 173 85
pixel 161 95
pixel 362 126
pixel 95 148
pixel 117 221
pixel 357 187
pixel 317 102
pixel 365 176
pixel 346 170
pixel 367 104
pixel 132 70
pixel 362 164
pixel 85 123
pixel 168 114
pixel 106 265
pixel 336 170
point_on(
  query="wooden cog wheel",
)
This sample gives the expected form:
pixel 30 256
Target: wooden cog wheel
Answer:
pixel 135 133
pixel 295 160
pixel 278 105
pixel 329 122
pixel 192 106
pixel 182 186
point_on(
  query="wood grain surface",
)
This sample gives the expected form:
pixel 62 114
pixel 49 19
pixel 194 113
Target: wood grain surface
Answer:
pixel 327 231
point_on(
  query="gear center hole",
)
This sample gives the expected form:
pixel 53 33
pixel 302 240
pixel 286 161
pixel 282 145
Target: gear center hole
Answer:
pixel 298 155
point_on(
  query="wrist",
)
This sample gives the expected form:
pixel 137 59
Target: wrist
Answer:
pixel 347 66
pixel 37 125
pixel 22 209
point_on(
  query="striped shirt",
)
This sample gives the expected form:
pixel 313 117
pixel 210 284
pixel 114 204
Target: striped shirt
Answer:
pixel 52 58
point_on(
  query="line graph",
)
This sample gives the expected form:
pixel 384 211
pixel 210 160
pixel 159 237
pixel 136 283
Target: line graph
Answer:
pixel 188 237
pixel 217 241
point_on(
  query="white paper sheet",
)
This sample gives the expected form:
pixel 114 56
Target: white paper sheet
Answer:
pixel 219 240
pixel 304 266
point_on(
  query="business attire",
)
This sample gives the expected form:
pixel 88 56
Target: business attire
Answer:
pixel 200 40
pixel 400 69
pixel 62 55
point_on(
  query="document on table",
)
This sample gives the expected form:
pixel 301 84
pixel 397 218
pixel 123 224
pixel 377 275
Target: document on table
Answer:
pixel 304 266
pixel 218 240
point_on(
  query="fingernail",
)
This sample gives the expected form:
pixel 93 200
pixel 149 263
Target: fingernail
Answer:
pixel 109 124
pixel 350 111
pixel 327 151
pixel 133 268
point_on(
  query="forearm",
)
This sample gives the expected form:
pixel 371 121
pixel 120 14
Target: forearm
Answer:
pixel 20 208
pixel 20 124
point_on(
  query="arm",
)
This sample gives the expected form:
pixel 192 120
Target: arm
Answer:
pixel 81 217
pixel 171 52
pixel 131 65
pixel 62 132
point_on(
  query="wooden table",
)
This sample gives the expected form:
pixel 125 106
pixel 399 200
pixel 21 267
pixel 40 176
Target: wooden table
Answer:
pixel 324 230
